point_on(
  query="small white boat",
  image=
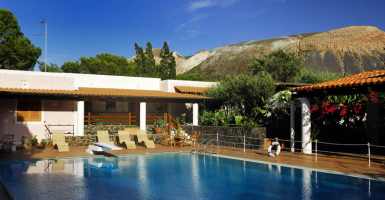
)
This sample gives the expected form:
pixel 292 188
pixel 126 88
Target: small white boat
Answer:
pixel 101 147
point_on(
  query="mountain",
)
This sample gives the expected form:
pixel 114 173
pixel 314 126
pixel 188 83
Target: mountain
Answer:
pixel 344 50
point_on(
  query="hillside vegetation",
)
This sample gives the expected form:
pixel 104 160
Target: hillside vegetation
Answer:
pixel 345 50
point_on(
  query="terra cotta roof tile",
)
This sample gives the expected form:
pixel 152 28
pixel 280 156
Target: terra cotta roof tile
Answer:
pixel 367 78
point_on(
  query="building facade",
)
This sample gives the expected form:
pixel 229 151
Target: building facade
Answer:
pixel 37 103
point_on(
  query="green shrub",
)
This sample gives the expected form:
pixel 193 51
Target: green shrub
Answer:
pixel 310 76
pixel 244 95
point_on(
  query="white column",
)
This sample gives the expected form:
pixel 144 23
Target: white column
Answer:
pixel 195 114
pixel 142 115
pixel 292 126
pixel 79 129
pixel 306 126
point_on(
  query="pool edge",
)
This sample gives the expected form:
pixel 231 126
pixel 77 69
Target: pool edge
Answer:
pixel 297 167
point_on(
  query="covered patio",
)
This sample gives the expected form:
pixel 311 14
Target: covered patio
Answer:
pixel 69 111
pixel 367 83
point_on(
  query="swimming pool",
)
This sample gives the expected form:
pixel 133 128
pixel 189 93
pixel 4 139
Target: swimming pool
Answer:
pixel 177 176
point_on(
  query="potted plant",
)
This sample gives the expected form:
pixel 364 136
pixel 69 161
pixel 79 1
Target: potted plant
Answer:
pixel 43 143
pixel 159 125
pixel 34 141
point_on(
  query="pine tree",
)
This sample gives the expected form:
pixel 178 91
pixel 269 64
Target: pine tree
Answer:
pixel 140 60
pixel 150 60
pixel 167 63
pixel 16 50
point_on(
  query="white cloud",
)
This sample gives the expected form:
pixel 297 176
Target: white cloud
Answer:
pixel 191 22
pixel 201 4
pixel 190 28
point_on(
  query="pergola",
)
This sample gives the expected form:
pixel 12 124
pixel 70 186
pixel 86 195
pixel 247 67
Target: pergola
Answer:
pixel 360 83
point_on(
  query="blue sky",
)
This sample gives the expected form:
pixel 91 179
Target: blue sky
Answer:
pixel 87 27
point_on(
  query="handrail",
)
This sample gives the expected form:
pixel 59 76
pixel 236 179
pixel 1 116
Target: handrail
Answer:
pixel 205 143
pixel 237 141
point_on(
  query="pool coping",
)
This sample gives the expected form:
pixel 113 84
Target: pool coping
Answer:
pixel 297 167
pixel 93 156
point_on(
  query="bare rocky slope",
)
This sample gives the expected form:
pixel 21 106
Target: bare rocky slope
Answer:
pixel 345 50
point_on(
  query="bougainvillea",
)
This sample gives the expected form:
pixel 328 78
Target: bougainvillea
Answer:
pixel 373 97
pixel 345 114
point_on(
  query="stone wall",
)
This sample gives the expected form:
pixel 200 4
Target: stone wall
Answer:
pixel 90 134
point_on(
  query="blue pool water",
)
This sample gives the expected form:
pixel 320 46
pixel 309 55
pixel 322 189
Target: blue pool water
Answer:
pixel 176 176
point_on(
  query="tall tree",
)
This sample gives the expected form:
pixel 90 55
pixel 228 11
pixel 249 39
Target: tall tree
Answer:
pixel 140 60
pixel 167 67
pixel 50 67
pixel 103 63
pixel 150 60
pixel 72 67
pixel 16 50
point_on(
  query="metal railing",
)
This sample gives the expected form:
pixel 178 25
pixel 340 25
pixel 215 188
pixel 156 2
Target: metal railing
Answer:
pixel 243 142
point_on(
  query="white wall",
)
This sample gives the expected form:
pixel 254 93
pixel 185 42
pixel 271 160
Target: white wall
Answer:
pixel 54 112
pixel 169 85
pixel 119 82
pixel 35 80
pixel 71 81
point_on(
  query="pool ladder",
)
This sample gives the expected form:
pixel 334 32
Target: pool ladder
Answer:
pixel 203 147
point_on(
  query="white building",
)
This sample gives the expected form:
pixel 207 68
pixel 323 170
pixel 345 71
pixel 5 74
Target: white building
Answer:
pixel 32 101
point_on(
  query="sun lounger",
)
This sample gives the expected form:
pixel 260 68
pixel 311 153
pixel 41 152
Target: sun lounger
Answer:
pixel 104 137
pixel 141 136
pixel 58 140
pixel 132 131
pixel 125 137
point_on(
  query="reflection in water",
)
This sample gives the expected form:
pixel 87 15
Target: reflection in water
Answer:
pixel 292 175
pixel 195 174
pixel 270 167
pixel 275 169
pixel 78 167
pixel 142 173
pixel 100 166
pixel 306 185
pixel 73 167
pixel 108 163
pixel 180 176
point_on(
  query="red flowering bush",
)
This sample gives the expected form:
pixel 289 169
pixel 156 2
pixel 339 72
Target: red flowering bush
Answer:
pixel 343 111
pixel 347 114
pixel 373 97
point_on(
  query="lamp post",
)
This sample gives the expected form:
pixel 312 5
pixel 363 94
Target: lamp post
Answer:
pixel 44 23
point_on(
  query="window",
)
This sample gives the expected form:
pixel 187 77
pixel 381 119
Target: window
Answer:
pixel 28 110
pixel 111 106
